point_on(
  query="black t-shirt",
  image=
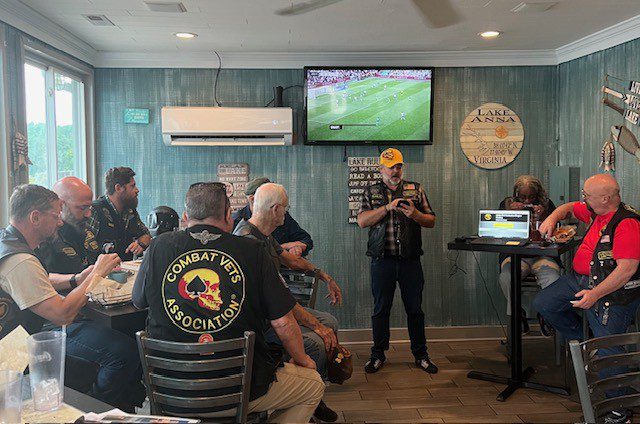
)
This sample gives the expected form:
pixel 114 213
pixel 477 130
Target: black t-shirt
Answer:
pixel 247 229
pixel 202 284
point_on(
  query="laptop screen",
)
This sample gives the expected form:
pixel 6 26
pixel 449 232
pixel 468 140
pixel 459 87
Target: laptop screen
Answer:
pixel 504 224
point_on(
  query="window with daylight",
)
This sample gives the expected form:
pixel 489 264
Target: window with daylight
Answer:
pixel 55 124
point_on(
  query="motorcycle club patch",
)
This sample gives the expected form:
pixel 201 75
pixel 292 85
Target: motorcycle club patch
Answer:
pixel 203 291
pixel 205 338
pixel 69 251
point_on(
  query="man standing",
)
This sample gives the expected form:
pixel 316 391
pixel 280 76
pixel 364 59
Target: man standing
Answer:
pixel 605 280
pixel 114 218
pixel 318 328
pixel 290 235
pixel 189 278
pixel 395 211
pixel 30 300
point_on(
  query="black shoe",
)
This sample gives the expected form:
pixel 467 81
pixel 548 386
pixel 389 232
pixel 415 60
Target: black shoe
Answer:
pixel 618 417
pixel 525 323
pixel 426 365
pixel 373 365
pixel 545 328
pixel 324 413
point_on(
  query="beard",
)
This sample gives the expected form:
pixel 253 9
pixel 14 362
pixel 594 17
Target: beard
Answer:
pixel 391 180
pixel 131 202
pixel 77 224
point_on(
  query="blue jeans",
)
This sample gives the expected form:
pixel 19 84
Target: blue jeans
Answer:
pixel 385 273
pixel 553 304
pixel 313 343
pixel 119 377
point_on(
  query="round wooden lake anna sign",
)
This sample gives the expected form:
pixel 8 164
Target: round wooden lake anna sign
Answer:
pixel 491 136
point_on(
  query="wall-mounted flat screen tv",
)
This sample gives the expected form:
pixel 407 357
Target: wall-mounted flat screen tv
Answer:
pixel 368 105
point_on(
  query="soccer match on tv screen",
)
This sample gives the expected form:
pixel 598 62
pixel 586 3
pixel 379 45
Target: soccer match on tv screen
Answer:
pixel 368 105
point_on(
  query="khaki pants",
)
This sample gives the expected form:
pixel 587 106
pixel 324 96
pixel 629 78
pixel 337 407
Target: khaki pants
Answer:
pixel 294 395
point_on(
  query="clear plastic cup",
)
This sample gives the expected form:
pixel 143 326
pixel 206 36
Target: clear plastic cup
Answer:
pixel 46 368
pixel 10 396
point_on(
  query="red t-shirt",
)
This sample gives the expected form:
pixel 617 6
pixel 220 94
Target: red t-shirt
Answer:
pixel 626 240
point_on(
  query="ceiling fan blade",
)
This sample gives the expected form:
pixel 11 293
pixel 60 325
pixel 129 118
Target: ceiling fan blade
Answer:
pixel 304 7
pixel 438 13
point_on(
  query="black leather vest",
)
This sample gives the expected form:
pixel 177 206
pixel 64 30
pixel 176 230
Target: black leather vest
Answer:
pixel 112 228
pixel 67 253
pixel 602 263
pixel 11 243
pixel 409 231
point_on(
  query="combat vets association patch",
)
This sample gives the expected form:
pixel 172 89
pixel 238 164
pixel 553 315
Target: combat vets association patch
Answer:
pixel 203 291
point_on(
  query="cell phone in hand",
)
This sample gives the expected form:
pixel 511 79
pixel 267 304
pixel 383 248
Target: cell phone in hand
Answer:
pixel 404 203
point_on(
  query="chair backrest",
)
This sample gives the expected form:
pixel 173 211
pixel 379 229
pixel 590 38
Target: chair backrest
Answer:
pixel 302 285
pixel 198 379
pixel 587 364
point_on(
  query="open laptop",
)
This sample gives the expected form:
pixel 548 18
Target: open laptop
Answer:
pixel 503 227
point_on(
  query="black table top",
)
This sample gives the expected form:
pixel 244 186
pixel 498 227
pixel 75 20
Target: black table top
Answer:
pixel 530 249
pixel 126 309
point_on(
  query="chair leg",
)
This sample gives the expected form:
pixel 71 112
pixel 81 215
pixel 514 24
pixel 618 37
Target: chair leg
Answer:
pixel 559 347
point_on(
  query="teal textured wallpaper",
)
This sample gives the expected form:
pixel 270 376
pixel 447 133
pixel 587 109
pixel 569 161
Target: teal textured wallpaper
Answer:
pixel 316 177
pixel 584 122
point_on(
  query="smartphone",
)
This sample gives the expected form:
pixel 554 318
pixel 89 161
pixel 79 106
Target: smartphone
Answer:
pixel 404 203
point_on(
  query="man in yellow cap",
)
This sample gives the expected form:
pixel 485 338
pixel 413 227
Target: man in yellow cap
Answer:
pixel 395 211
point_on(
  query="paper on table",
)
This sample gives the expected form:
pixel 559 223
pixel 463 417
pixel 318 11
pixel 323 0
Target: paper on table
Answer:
pixel 13 350
pixel 117 416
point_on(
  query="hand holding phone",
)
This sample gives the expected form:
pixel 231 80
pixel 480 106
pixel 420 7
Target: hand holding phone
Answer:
pixel 404 203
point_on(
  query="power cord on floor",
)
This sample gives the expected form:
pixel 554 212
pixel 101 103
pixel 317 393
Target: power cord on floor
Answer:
pixel 493 305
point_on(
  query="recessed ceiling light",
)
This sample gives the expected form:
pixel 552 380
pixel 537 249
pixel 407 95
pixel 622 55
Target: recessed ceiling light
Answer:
pixel 185 35
pixel 490 34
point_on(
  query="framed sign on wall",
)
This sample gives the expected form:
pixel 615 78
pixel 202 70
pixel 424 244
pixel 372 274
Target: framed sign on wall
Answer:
pixel 492 136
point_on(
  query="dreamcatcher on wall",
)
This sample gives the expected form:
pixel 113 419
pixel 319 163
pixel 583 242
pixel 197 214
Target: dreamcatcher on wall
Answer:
pixel 623 96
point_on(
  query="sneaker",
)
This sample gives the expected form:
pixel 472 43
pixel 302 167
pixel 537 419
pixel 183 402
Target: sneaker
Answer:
pixel 426 365
pixel 618 417
pixel 373 365
pixel 325 414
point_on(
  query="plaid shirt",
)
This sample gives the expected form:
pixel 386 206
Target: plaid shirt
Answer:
pixel 130 217
pixel 392 224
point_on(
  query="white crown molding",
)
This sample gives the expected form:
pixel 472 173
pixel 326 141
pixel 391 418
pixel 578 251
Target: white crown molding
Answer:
pixel 609 37
pixel 26 19
pixel 279 60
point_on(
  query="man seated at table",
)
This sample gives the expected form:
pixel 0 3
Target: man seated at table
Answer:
pixel 204 271
pixel 31 300
pixel 605 280
pixel 290 235
pixel 70 254
pixel 528 193
pixel 318 328
pixel 114 219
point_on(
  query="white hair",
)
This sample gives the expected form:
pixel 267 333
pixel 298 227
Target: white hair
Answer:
pixel 268 195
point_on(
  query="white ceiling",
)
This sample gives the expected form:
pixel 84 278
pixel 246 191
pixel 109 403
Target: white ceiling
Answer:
pixel 359 26
pixel 350 25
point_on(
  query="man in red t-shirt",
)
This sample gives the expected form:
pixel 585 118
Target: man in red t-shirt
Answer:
pixel 603 278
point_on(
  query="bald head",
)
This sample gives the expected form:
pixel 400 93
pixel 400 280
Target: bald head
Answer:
pixel 76 198
pixel 602 193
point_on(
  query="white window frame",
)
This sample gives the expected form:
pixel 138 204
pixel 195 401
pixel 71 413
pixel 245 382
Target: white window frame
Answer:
pixel 52 61
pixel 5 177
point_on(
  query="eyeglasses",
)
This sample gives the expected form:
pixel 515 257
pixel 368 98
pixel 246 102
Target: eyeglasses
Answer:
pixel 586 195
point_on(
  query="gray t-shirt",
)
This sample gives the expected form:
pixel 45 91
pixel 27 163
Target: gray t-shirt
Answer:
pixel 247 229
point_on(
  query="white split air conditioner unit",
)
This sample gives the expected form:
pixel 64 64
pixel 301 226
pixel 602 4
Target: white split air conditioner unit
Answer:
pixel 227 126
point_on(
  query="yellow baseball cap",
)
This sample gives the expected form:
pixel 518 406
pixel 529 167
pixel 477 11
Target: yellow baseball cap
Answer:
pixel 391 157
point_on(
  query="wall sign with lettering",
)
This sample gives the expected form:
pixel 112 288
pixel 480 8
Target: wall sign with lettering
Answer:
pixel 136 116
pixel 491 136
pixel 235 176
pixel 363 172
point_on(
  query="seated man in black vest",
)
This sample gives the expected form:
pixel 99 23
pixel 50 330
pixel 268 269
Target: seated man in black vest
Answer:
pixel 114 219
pixel 605 280
pixel 290 235
pixel 31 300
pixel 69 255
pixel 203 284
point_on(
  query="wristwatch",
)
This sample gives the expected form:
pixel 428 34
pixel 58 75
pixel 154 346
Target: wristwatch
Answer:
pixel 73 281
pixel 141 244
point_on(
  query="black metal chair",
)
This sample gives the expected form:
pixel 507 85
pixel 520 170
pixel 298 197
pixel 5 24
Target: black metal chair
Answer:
pixel 198 379
pixel 591 388
pixel 302 285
